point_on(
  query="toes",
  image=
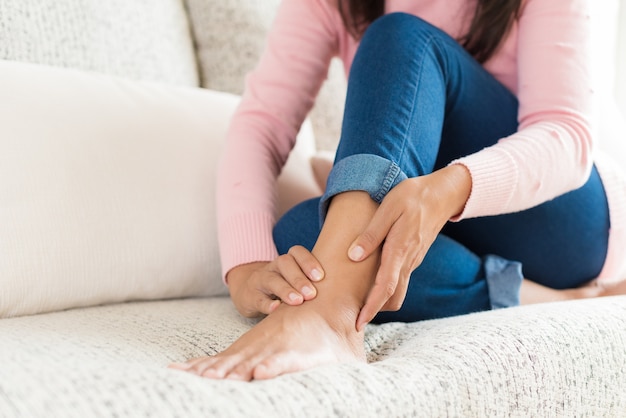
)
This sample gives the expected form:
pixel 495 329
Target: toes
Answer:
pixel 235 366
pixel 275 366
pixel 214 372
pixel 199 366
pixel 179 366
pixel 189 364
pixel 261 372
pixel 243 371
pixel 222 367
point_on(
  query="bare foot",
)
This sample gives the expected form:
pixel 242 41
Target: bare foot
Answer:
pixel 612 288
pixel 288 340
pixel 596 289
pixel 532 292
pixel 323 329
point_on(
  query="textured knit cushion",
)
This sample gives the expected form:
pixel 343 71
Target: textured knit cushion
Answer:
pixel 230 37
pixel 107 188
pixel 139 39
pixel 557 360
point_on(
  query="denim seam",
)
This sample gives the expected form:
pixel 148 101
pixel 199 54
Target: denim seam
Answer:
pixel 390 176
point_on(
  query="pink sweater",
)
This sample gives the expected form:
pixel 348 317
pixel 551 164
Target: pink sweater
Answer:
pixel 544 61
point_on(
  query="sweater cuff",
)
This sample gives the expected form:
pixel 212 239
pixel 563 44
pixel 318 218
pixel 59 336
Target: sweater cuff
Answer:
pixel 494 180
pixel 246 238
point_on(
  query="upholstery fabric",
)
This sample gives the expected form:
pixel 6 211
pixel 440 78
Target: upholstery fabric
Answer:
pixel 140 39
pixel 562 359
pixel 230 37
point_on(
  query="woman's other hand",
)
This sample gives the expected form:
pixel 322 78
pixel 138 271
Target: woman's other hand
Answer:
pixel 258 288
pixel 406 223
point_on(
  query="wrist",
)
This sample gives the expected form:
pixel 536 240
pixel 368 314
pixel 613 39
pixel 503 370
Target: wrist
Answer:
pixel 458 181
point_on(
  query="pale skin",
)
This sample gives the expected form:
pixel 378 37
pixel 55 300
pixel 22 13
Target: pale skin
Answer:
pixel 315 314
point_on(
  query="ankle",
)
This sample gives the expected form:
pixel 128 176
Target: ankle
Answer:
pixel 339 309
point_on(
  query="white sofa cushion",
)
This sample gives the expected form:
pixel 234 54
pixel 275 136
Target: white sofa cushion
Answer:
pixel 554 360
pixel 107 189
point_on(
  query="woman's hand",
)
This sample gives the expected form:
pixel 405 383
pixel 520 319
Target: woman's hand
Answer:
pixel 258 288
pixel 406 224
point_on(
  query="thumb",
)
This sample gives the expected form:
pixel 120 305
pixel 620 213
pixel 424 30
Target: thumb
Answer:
pixel 371 238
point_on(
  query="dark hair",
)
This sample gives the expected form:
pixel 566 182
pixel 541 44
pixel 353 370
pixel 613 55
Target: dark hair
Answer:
pixel 492 20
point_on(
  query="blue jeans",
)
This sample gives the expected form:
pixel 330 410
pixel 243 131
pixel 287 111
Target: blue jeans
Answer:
pixel 416 101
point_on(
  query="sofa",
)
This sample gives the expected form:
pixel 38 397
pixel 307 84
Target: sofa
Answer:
pixel 113 116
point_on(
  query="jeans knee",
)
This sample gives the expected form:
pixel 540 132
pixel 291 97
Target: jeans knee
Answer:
pixel 398 25
pixel 397 38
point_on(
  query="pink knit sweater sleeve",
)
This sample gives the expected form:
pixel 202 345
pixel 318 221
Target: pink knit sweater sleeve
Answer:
pixel 552 151
pixel 278 95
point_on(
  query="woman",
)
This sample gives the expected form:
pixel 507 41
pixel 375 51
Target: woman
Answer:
pixel 465 165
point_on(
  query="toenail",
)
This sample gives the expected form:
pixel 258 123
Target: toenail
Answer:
pixel 212 373
pixel 180 366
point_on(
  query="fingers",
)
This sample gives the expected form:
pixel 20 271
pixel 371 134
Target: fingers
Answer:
pixel 268 294
pixel 305 270
pixel 386 281
pixel 307 262
pixel 296 269
pixel 275 284
pixel 268 305
pixel 384 288
pixel 402 252
pixel 289 278
pixel 374 234
pixel 252 299
pixel 262 304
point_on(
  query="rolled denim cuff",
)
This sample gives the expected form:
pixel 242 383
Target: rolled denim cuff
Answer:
pixel 366 172
pixel 504 279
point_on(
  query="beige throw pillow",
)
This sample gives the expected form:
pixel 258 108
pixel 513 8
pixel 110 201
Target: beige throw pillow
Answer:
pixel 107 189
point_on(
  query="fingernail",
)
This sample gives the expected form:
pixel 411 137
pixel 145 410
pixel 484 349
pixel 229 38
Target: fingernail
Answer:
pixel 316 275
pixel 294 297
pixel 360 323
pixel 307 291
pixel 356 253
